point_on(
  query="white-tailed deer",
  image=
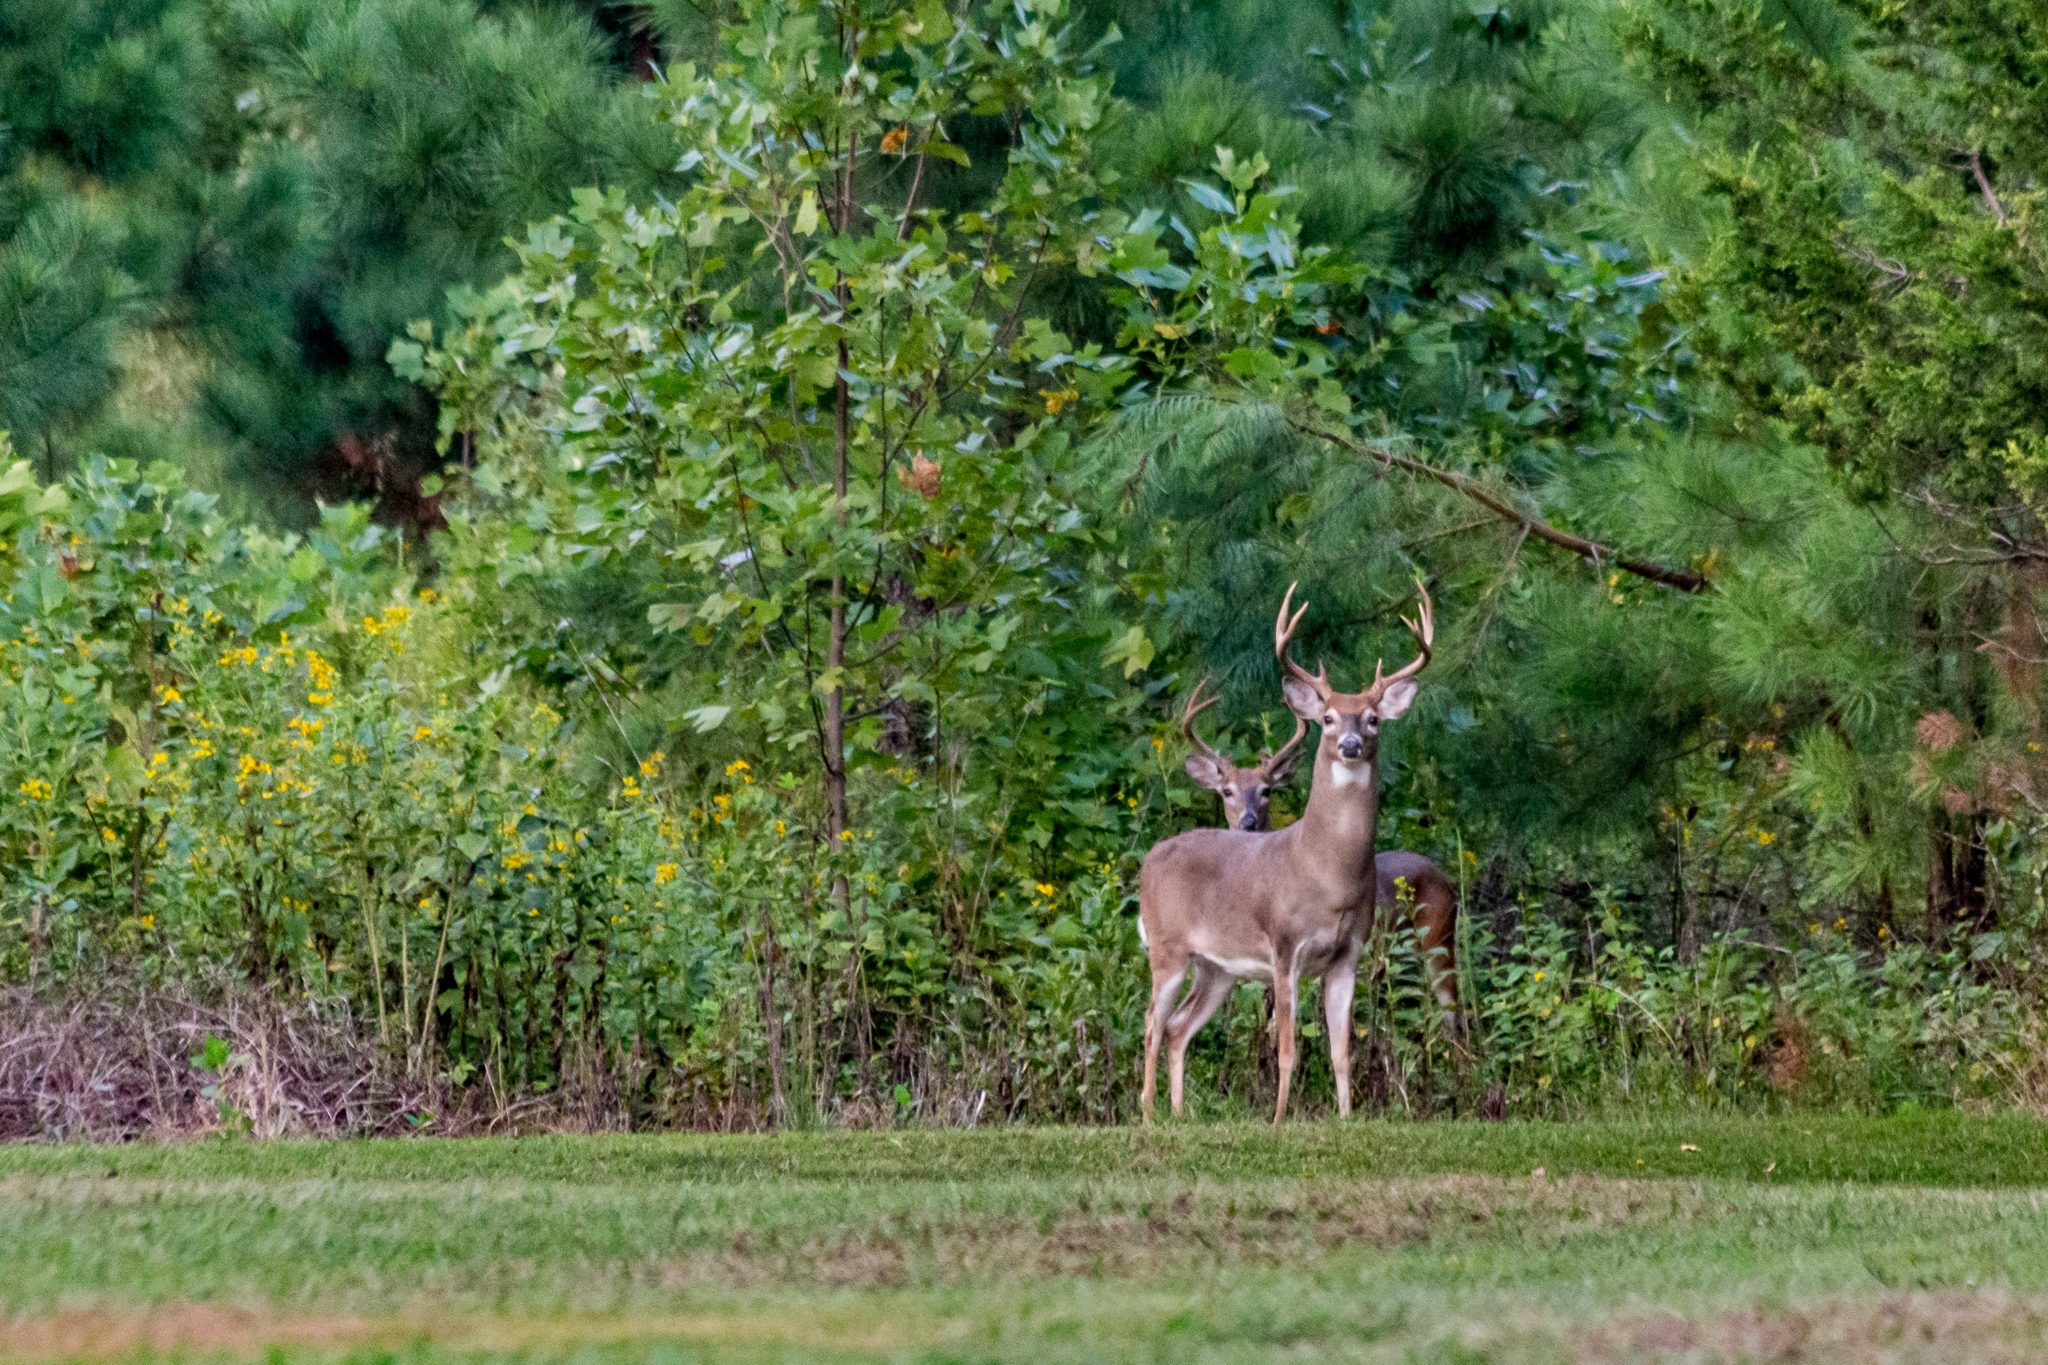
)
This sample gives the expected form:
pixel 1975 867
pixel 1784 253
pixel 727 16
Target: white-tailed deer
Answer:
pixel 1407 881
pixel 1277 905
pixel 1247 792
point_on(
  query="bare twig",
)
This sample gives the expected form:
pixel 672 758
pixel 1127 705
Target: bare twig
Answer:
pixel 1984 188
pixel 1685 580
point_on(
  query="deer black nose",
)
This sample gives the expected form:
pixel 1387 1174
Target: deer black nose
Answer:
pixel 1248 820
pixel 1351 746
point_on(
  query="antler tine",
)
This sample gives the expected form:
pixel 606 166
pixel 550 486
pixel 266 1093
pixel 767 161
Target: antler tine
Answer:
pixel 1274 761
pixel 1196 705
pixel 1423 628
pixel 1283 633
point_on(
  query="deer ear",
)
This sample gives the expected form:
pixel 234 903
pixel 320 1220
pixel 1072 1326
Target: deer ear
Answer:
pixel 1302 700
pixel 1395 700
pixel 1206 771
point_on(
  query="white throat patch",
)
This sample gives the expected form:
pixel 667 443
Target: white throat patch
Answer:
pixel 1344 774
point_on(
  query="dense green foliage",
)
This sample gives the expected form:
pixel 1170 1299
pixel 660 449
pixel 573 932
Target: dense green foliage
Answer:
pixel 889 412
pixel 215 217
pixel 1903 1240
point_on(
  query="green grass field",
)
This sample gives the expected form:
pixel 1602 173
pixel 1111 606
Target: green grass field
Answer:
pixel 1919 1238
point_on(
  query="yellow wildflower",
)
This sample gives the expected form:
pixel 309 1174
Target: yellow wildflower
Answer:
pixel 664 874
pixel 169 696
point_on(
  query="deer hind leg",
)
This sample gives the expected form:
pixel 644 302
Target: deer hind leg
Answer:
pixel 1166 979
pixel 1436 934
pixel 1211 989
pixel 1285 983
pixel 1338 985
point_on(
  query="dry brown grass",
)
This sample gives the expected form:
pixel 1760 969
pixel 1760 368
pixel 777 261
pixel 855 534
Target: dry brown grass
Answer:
pixel 1200 1228
pixel 232 1332
pixel 1900 1328
pixel 117 1065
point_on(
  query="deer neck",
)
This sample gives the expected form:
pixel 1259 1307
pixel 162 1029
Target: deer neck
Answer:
pixel 1341 820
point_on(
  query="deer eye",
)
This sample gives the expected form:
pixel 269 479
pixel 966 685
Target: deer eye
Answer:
pixel 1264 790
pixel 1230 791
pixel 1329 717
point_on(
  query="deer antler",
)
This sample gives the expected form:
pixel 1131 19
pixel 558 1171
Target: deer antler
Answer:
pixel 1196 705
pixel 1283 633
pixel 1424 631
pixel 1278 760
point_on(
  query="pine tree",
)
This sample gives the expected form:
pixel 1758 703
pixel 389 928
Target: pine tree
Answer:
pixel 1501 329
pixel 1864 282
pixel 94 100
pixel 215 219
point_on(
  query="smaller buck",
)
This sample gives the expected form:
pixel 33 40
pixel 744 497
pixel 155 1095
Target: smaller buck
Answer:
pixel 1407 881
pixel 1247 792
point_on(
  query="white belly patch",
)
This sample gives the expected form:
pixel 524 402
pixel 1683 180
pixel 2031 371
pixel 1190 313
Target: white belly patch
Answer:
pixel 1257 969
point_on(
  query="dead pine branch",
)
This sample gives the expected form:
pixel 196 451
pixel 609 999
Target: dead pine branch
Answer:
pixel 1685 580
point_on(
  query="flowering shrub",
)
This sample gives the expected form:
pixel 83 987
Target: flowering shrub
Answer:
pixel 280 763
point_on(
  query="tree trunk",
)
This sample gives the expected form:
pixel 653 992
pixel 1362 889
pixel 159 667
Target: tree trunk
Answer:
pixel 1957 876
pixel 835 645
pixel 771 1024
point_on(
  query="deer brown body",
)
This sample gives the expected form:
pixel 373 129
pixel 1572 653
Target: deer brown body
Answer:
pixel 1225 905
pixel 1407 881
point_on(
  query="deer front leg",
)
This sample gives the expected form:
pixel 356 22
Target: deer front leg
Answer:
pixel 1164 984
pixel 1338 985
pixel 1211 989
pixel 1285 983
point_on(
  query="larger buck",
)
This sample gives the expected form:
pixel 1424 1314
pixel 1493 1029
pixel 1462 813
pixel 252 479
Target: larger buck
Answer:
pixel 1278 905
pixel 1407 881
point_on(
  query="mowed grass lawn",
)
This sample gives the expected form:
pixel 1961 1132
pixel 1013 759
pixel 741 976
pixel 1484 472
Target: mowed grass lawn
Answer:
pixel 1804 1238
